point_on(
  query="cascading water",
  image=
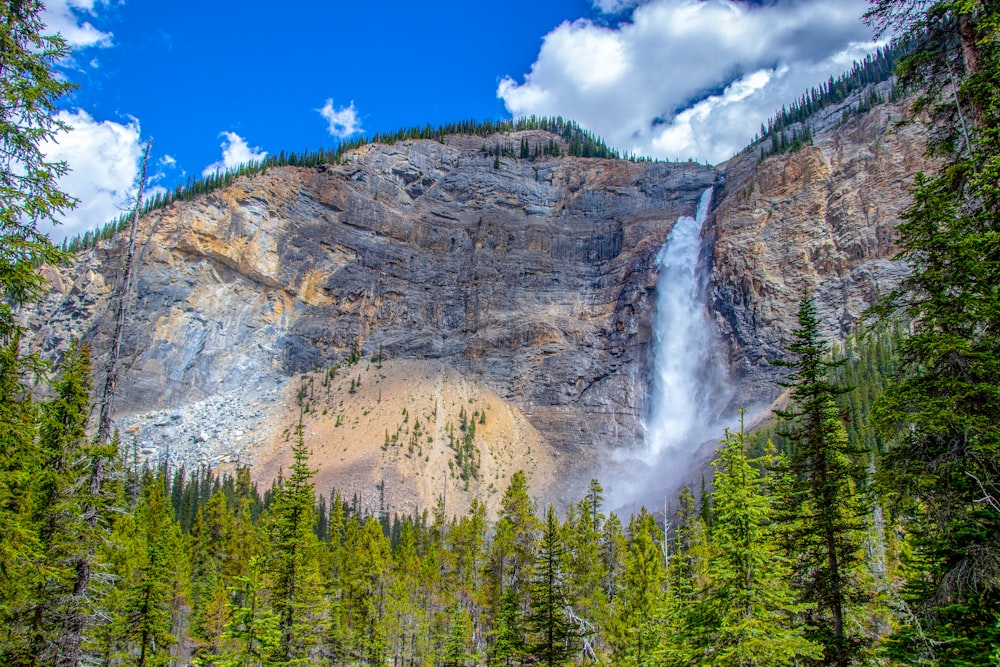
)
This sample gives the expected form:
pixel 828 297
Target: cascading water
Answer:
pixel 689 387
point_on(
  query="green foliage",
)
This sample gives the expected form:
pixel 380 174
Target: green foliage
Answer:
pixel 551 630
pixel 467 458
pixel 789 129
pixel 634 633
pixel 251 631
pixel 29 91
pixel 32 498
pixel 823 508
pixel 150 568
pixel 292 565
pixel 941 413
pixel 749 600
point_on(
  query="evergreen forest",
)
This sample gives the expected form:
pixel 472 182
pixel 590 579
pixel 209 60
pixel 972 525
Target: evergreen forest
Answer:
pixel 860 526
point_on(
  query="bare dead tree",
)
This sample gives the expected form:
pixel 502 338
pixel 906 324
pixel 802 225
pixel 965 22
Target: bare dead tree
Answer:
pixel 71 642
pixel 124 288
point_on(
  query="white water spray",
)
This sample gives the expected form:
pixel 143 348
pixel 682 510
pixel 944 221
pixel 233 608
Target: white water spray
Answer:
pixel 689 386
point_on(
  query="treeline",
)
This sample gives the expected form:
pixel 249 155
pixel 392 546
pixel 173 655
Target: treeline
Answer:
pixel 579 143
pixel 788 130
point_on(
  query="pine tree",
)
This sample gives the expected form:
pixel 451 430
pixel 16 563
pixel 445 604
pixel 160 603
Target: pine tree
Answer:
pixel 635 634
pixel 550 625
pixel 292 563
pixel 942 414
pixel 823 503
pixel 749 601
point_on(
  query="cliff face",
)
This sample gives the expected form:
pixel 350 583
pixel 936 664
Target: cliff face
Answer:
pixel 534 280
pixel 820 221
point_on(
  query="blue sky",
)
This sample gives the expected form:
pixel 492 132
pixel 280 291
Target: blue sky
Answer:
pixel 218 82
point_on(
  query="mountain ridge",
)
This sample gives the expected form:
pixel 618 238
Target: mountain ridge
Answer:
pixel 533 278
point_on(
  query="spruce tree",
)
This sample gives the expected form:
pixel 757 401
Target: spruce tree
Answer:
pixel 292 563
pixel 749 603
pixel 585 570
pixel 252 633
pixel 149 577
pixel 823 508
pixel 29 93
pixel 512 555
pixel 551 629
pixel 942 414
pixel 635 633
pixel 684 609
pixel 60 499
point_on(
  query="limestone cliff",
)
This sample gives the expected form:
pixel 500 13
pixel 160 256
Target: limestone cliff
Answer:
pixel 820 220
pixel 526 288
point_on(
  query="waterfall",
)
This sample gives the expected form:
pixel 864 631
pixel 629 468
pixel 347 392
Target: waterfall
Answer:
pixel 689 389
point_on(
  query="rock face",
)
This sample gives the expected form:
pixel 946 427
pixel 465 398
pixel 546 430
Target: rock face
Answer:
pixel 534 279
pixel 820 220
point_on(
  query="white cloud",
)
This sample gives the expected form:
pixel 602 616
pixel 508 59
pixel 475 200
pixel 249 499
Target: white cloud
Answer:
pixel 103 157
pixel 688 78
pixel 167 161
pixel 64 17
pixel 343 122
pixel 235 152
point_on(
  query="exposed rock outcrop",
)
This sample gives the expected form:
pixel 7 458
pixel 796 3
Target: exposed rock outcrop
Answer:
pixel 820 220
pixel 534 280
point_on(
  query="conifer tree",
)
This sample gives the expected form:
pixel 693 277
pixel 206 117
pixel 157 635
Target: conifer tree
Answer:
pixel 612 550
pixel 20 546
pixel 513 551
pixel 151 574
pixel 60 488
pixel 943 412
pixel 292 564
pixel 824 509
pixel 252 631
pixel 407 618
pixel 466 541
pixel 223 545
pixel 684 609
pixel 508 642
pixel 635 633
pixel 455 652
pixel 749 601
pixel 551 629
pixel 585 569
pixel 29 93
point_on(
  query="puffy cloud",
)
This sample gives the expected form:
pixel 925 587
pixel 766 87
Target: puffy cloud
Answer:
pixel 103 157
pixel 343 122
pixel 688 78
pixel 235 152
pixel 64 17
